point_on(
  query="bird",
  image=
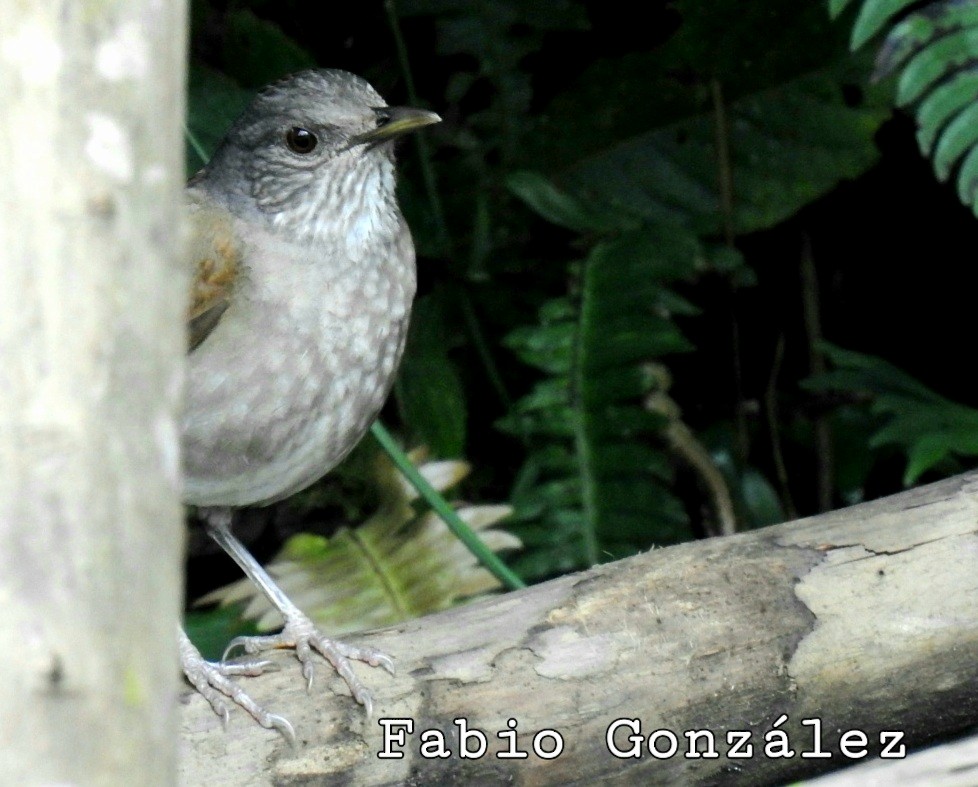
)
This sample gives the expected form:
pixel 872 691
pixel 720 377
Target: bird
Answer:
pixel 303 277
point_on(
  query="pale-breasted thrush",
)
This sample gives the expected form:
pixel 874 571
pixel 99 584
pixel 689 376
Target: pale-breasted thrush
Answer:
pixel 303 281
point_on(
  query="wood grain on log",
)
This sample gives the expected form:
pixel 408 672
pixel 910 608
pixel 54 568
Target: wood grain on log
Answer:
pixel 863 620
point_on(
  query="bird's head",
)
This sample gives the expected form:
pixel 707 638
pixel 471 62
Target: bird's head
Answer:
pixel 315 146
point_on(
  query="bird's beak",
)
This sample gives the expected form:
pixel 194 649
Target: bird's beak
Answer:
pixel 394 122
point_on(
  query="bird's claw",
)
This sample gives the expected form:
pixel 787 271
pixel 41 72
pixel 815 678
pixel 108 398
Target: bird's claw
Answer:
pixel 213 681
pixel 281 724
pixel 300 635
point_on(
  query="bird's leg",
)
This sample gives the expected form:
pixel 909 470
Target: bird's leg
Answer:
pixel 299 632
pixel 213 681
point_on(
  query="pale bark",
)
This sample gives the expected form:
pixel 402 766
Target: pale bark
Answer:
pixel 92 296
pixel 865 619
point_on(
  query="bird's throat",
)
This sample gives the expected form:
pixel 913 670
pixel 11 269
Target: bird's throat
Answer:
pixel 355 205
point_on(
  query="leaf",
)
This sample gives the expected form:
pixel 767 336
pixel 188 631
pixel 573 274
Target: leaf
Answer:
pixel 257 52
pixel 933 49
pixel 556 206
pixel 959 137
pixel 596 483
pixel 927 427
pixel 858 372
pixel 760 499
pixel 496 38
pixel 396 565
pixel 959 93
pixel 968 180
pixel 853 459
pixel 789 145
pixel 933 62
pixel 719 40
pixel 214 101
pixel 754 498
pixel 872 18
pixel 836 7
pixel 211 631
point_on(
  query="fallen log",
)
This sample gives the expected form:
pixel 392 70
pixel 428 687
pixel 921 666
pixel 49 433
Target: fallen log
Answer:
pixel 757 659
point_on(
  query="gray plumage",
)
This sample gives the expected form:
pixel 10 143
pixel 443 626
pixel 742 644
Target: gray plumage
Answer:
pixel 305 353
pixel 303 281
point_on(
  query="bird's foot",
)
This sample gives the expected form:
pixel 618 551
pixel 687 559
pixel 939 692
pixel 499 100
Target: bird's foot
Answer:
pixel 213 681
pixel 301 635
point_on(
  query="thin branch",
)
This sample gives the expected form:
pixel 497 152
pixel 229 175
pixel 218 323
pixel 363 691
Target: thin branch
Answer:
pixel 725 182
pixel 725 188
pixel 682 441
pixel 824 461
pixel 771 415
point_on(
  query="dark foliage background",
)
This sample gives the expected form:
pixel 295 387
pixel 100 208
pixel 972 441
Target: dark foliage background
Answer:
pixel 635 227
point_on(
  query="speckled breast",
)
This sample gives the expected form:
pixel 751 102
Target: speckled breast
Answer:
pixel 294 374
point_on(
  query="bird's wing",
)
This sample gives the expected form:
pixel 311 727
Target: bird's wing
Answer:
pixel 216 259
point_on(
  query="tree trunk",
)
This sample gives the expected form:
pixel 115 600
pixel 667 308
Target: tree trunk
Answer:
pixel 92 301
pixel 850 632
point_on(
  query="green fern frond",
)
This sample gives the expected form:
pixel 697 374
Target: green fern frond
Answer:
pixel 933 50
pixel 596 485
pixel 922 424
pixel 944 103
pixel 397 565
pixel 872 17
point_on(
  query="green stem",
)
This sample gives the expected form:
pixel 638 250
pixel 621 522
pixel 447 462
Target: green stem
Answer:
pixel 424 152
pixel 582 426
pixel 195 144
pixel 434 199
pixel 462 531
pixel 725 187
pixel 486 556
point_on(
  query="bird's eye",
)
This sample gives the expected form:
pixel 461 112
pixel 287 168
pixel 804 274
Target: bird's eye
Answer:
pixel 300 140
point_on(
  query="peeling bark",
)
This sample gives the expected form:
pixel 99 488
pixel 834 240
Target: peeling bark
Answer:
pixel 862 619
